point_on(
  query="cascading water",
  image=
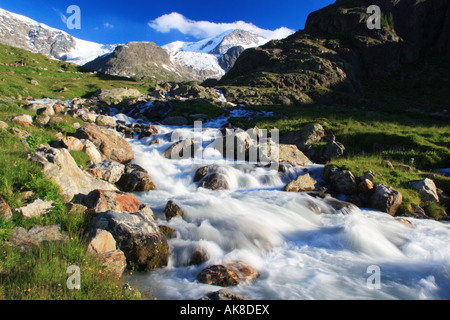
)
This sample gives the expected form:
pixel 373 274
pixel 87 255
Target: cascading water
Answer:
pixel 299 254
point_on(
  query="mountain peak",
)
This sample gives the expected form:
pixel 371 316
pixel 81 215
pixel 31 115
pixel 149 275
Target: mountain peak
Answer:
pixel 25 33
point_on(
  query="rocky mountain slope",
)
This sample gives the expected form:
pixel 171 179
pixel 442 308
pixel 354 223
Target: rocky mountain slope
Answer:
pixel 337 51
pixel 24 33
pixel 137 60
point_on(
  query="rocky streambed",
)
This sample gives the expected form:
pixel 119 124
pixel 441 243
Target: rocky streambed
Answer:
pixel 166 202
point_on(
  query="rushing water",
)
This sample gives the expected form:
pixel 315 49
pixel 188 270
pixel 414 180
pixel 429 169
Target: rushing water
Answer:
pixel 361 254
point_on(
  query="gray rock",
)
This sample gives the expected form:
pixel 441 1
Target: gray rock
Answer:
pixel 427 190
pixel 135 179
pixel 59 166
pixel 138 236
pixel 172 210
pixel 224 295
pixel 37 208
pixel 214 181
pixel 183 149
pixel 386 199
pixel 110 171
pixel 36 236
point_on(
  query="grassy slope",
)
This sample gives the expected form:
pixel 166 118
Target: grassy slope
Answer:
pixel 41 274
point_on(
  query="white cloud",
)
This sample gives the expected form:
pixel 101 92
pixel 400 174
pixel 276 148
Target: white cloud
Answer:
pixel 108 25
pixel 207 29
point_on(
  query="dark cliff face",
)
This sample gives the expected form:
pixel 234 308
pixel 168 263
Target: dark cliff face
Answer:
pixel 227 61
pixel 337 49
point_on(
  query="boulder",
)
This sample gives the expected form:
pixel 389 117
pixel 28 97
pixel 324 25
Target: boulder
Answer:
pixel 228 274
pixel 341 181
pixel 37 235
pixel 301 183
pixel 105 121
pixel 103 246
pixel 72 143
pixel 91 150
pixel 386 199
pixel 138 236
pixel 214 181
pixel 37 208
pixel 5 210
pixel 427 190
pixel 59 166
pixel 104 200
pixel 365 186
pixel 182 149
pixel 135 179
pixel 307 135
pixel 47 111
pixel 172 210
pixel 110 171
pixel 223 295
pixel 23 120
pixel 292 155
pixel 110 144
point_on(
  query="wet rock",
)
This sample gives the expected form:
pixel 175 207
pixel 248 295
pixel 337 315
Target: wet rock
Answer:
pixel 104 200
pixel 59 166
pixel 183 149
pixel 234 144
pixel 301 183
pixel 427 190
pixel 135 179
pixel 138 236
pixel 405 222
pixel 365 186
pixel 214 181
pixel 228 274
pixel 386 199
pixel 172 210
pixel 341 181
pixel 224 295
pixel 109 143
pixel 169 232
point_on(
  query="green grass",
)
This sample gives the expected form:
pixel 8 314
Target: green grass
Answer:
pixel 56 79
pixel 190 108
pixel 41 273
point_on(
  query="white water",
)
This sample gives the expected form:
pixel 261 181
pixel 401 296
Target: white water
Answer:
pixel 298 253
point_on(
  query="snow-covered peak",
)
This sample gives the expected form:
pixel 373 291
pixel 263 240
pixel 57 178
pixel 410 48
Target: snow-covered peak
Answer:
pixel 220 43
pixel 22 32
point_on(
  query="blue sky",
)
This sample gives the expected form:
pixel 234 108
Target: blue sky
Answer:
pixel 164 21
